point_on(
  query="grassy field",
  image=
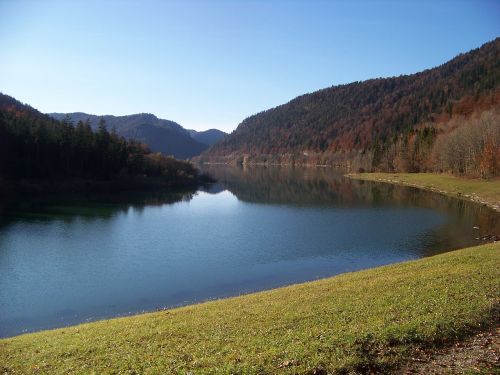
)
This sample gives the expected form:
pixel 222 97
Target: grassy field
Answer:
pixel 370 319
pixel 482 191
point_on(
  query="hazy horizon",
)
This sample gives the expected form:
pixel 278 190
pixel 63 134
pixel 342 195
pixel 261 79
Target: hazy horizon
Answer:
pixel 212 64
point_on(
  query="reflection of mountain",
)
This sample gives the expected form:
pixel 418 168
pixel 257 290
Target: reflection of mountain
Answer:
pixel 326 187
pixel 284 185
pixel 213 188
pixel 320 186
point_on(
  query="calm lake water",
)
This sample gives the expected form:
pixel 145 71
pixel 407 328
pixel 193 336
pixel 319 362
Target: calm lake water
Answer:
pixel 65 262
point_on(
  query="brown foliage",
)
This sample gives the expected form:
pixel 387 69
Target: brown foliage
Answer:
pixel 472 148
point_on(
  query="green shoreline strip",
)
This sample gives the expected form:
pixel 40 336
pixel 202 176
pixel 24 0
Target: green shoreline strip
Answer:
pixel 369 319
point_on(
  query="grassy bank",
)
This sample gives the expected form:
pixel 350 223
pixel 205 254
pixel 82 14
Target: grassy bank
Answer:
pixel 367 319
pixel 482 191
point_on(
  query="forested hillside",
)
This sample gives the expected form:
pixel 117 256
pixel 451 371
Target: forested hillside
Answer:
pixel 167 137
pixel 442 119
pixel 34 146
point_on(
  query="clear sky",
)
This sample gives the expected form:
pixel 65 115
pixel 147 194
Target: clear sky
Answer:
pixel 212 63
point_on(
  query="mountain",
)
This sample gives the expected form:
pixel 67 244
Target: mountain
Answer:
pixel 378 124
pixel 208 137
pixel 160 135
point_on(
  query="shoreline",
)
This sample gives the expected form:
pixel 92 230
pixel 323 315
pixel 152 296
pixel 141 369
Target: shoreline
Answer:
pixel 412 304
pixel 441 183
pixel 374 320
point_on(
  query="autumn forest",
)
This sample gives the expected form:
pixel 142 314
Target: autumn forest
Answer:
pixel 444 119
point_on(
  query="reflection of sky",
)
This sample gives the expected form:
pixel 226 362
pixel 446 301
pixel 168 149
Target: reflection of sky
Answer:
pixel 204 200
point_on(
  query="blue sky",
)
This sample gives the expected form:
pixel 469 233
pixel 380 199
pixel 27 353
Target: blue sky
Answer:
pixel 212 63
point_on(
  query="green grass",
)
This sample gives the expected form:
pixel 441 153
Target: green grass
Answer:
pixel 355 321
pixel 483 191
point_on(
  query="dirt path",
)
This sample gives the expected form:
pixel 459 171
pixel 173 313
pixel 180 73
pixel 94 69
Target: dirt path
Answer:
pixel 479 354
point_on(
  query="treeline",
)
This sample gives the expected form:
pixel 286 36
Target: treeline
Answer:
pixel 472 148
pixel 469 146
pixel 34 146
pixel 370 123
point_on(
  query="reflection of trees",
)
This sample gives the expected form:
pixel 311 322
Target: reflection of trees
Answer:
pixel 96 206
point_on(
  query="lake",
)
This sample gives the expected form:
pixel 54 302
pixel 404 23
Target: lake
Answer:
pixel 78 259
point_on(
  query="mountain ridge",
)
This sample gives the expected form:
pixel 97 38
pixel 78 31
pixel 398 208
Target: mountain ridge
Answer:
pixel 208 137
pixel 165 136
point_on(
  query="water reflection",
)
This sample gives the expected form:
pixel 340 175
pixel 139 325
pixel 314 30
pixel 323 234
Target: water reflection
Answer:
pixel 86 207
pixel 68 260
pixel 326 187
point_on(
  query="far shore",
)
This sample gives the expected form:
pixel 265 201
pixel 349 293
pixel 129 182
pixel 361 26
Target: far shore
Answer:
pixel 486 192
